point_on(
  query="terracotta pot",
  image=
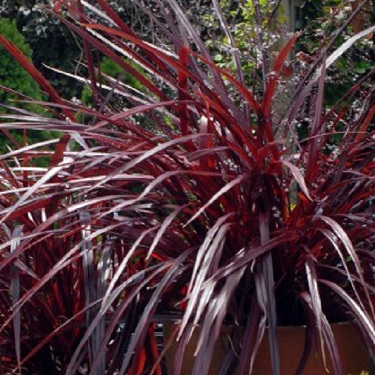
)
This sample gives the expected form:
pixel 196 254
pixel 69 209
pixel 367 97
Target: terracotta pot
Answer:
pixel 354 354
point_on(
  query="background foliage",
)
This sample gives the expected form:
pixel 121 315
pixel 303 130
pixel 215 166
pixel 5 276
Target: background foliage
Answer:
pixel 12 74
pixel 14 77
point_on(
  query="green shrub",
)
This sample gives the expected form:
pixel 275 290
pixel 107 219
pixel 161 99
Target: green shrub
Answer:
pixel 15 77
pixel 12 75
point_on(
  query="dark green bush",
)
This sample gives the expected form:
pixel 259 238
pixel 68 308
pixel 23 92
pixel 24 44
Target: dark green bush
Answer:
pixel 15 77
pixel 12 75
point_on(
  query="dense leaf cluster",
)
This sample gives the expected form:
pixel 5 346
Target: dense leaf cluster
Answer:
pixel 220 212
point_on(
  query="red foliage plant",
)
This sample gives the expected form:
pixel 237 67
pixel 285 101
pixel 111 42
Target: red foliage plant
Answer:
pixel 193 196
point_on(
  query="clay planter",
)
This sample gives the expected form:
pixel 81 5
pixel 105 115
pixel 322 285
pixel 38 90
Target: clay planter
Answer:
pixel 354 354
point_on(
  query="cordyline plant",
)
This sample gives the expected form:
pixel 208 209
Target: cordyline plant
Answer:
pixel 191 197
